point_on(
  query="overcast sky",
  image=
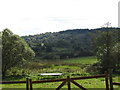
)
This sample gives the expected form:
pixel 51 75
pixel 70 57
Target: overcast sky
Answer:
pixel 28 17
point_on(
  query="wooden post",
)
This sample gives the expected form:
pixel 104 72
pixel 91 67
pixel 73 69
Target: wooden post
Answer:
pixel 68 79
pixel 30 80
pixel 61 85
pixel 106 81
pixel 110 78
pixel 27 83
pixel 81 87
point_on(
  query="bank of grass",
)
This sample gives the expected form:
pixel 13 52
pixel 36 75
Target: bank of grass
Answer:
pixel 75 67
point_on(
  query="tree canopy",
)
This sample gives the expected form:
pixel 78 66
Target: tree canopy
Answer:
pixel 14 50
pixel 108 49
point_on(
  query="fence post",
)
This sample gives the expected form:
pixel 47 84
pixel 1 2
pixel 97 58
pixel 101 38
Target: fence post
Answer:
pixel 68 79
pixel 62 84
pixel 30 84
pixel 106 80
pixel 27 83
pixel 110 78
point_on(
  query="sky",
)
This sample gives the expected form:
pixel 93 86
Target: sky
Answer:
pixel 29 17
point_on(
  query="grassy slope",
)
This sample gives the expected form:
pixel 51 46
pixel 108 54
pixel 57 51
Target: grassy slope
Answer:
pixel 73 67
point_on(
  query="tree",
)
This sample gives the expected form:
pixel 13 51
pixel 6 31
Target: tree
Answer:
pixel 105 52
pixel 14 50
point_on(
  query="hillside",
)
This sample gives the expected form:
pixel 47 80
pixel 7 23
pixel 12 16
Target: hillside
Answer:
pixel 65 44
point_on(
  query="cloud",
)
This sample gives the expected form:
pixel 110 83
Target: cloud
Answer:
pixel 62 20
pixel 26 17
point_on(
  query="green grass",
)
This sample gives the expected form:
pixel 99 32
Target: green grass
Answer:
pixel 75 67
pixel 83 60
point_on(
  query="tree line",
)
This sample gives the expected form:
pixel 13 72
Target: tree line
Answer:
pixel 65 44
pixel 102 42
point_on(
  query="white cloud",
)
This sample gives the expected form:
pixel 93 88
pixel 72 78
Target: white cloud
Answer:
pixel 26 17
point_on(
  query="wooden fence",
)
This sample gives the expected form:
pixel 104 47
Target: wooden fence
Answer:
pixel 68 80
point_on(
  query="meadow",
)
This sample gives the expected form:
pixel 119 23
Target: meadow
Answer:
pixel 75 67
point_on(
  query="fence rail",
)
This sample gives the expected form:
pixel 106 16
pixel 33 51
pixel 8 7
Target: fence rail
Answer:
pixel 12 82
pixel 68 80
pixel 116 83
pixel 29 82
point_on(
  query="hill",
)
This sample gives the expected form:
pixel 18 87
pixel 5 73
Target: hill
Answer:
pixel 65 44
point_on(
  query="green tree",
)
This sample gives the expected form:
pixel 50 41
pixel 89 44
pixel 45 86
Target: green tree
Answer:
pixel 14 50
pixel 105 52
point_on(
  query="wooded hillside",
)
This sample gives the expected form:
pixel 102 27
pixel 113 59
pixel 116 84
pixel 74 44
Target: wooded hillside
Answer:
pixel 66 44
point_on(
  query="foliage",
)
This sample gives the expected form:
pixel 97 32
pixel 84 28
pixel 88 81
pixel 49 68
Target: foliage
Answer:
pixel 64 44
pixel 107 49
pixel 116 55
pixel 14 50
pixel 67 66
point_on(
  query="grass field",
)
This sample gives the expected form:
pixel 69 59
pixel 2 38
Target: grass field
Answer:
pixel 83 60
pixel 75 67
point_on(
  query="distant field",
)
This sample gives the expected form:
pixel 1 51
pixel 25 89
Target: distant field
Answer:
pixel 83 60
pixel 75 67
